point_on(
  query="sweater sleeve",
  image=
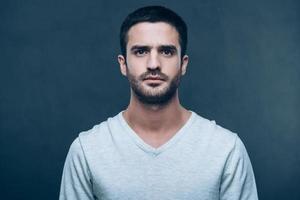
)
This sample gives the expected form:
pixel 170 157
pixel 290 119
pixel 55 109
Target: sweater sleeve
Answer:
pixel 76 183
pixel 238 182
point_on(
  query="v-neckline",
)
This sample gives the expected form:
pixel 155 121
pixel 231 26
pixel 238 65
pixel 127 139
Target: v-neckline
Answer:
pixel 148 148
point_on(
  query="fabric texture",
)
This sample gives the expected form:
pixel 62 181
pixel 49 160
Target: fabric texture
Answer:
pixel 201 161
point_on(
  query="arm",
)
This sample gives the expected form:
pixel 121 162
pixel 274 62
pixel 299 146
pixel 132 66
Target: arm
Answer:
pixel 76 181
pixel 238 182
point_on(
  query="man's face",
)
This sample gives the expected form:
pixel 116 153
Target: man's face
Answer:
pixel 153 62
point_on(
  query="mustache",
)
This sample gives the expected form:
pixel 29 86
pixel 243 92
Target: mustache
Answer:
pixel 155 73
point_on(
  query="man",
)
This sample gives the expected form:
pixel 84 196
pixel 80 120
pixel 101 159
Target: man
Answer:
pixel 156 149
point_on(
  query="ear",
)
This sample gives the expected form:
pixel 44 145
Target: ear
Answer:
pixel 122 63
pixel 184 64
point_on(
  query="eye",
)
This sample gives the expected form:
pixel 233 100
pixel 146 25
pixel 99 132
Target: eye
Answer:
pixel 140 52
pixel 167 52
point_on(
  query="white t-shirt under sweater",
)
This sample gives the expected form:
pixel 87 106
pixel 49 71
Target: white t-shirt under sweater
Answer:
pixel 202 161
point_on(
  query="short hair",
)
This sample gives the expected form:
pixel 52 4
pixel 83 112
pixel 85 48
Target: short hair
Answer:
pixel 154 14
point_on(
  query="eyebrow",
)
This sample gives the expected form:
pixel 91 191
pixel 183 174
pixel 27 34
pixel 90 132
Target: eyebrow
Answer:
pixel 161 47
pixel 139 47
pixel 171 48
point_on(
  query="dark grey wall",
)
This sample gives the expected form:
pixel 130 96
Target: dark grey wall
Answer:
pixel 59 75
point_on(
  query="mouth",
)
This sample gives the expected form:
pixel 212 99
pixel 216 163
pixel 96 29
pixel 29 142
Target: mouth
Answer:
pixel 154 81
pixel 154 78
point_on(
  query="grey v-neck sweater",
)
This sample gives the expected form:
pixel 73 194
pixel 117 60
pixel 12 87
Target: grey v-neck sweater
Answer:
pixel 201 161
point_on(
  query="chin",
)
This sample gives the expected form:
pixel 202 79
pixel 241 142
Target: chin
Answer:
pixel 154 90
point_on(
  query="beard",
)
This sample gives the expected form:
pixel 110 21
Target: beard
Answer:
pixel 155 94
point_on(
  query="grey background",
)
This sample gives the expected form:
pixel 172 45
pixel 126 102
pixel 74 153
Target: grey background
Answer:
pixel 59 75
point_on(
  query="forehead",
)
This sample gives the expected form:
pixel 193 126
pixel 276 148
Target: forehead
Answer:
pixel 158 33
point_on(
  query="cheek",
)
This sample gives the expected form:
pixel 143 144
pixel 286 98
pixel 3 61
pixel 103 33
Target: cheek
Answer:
pixel 133 62
pixel 134 69
pixel 174 62
pixel 171 67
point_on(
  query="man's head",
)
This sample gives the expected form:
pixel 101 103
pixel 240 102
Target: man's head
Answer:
pixel 153 58
pixel 154 14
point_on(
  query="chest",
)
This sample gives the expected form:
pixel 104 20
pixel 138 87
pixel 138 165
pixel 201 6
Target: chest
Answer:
pixel 166 176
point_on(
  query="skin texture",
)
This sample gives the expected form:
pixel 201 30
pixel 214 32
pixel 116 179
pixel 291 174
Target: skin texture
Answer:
pixel 153 52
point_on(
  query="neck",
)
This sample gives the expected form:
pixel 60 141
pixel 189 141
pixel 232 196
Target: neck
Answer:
pixel 155 118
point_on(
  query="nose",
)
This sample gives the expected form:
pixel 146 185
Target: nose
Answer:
pixel 153 61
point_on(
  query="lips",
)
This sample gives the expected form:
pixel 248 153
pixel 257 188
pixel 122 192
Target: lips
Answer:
pixel 154 78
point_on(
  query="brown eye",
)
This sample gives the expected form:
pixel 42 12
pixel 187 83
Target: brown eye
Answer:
pixel 140 52
pixel 167 52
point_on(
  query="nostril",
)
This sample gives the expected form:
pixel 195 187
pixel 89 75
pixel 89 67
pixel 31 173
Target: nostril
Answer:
pixel 153 67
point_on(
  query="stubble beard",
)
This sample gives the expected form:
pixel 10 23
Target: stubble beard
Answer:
pixel 154 96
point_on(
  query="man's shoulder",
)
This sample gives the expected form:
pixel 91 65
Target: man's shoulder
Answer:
pixel 217 142
pixel 99 133
pixel 94 131
pixel 211 132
